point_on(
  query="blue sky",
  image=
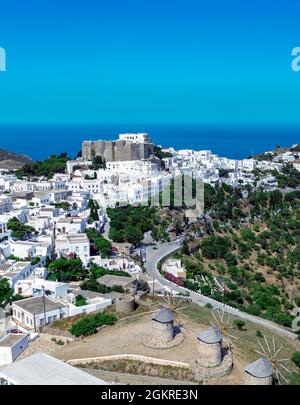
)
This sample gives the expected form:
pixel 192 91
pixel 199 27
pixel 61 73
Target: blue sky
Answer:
pixel 150 62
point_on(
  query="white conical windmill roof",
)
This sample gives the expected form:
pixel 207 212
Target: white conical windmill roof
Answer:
pixel 165 315
pixel 260 368
pixel 211 335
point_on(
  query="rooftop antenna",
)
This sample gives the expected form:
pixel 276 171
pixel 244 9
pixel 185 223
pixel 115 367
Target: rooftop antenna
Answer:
pixel 44 305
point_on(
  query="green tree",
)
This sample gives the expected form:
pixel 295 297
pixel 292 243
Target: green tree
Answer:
pixel 239 324
pixel 54 164
pixel 133 235
pixel 93 206
pixel 296 358
pixel 80 301
pixel 93 285
pixel 6 292
pixel 66 269
pixel 159 233
pixel 65 205
pixel 98 163
pixel 128 224
pixel 19 230
pixel 215 247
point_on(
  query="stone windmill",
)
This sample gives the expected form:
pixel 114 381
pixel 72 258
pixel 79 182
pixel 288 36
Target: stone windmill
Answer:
pixel 270 351
pixel 163 326
pixel 260 372
pixel 176 304
pixel 225 323
pixel 209 347
pixel 166 325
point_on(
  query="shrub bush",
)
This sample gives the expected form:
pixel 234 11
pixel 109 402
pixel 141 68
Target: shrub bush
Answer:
pixel 88 326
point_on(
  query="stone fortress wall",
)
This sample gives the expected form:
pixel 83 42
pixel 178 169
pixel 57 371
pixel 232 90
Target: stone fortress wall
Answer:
pixel 116 150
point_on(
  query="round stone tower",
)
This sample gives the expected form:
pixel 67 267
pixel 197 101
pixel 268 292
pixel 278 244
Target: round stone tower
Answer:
pixel 209 347
pixel 125 304
pixel 163 326
pixel 260 372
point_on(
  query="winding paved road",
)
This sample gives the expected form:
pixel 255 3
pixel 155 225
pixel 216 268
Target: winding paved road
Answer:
pixel 154 256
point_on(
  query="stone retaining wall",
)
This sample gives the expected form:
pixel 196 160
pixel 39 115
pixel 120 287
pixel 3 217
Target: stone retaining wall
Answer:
pixel 134 357
pixel 200 372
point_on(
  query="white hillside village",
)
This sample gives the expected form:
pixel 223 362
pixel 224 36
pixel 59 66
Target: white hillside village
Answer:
pixel 59 260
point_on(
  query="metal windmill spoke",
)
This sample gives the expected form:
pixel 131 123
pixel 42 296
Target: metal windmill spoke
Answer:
pixel 262 348
pixel 184 326
pixel 236 353
pixel 275 354
pixel 181 320
pixel 228 340
pixel 181 309
pixel 274 347
pixel 232 343
pixel 167 300
pixel 228 320
pixel 215 317
pixel 277 376
pixel 165 303
pixel 267 344
pixel 187 330
pixel 262 354
pixel 180 315
pixel 232 336
pixel 282 376
pixel 271 351
pixel 285 368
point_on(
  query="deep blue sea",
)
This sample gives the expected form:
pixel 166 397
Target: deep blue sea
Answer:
pixel 40 142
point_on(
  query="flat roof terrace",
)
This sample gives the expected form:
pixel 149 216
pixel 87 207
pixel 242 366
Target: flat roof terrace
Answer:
pixel 42 369
pixel 11 339
pixel 35 305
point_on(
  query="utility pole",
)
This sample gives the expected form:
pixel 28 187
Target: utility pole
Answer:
pixel 44 305
pixel 153 289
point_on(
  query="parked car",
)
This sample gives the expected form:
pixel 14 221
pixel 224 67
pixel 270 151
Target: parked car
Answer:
pixel 16 331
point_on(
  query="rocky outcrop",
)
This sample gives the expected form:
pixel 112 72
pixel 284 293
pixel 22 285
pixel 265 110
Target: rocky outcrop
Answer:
pixel 12 161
